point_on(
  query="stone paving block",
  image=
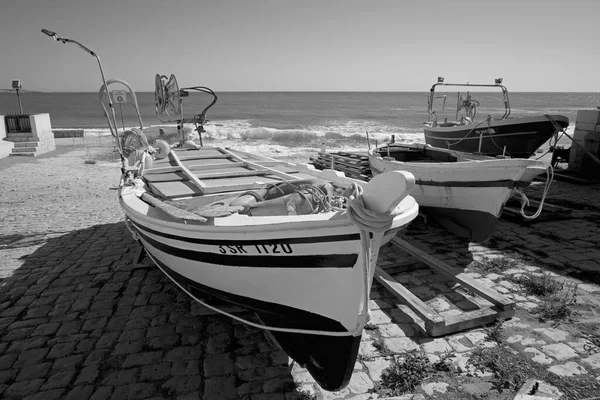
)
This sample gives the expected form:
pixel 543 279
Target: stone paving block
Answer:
pixel 560 351
pixel 218 344
pixel 155 371
pixel 568 369
pixel 120 377
pixel 33 371
pixel 252 361
pixel 190 383
pixel 146 358
pixel 62 350
pixel 183 353
pixel 163 342
pixel 218 364
pixel 59 379
pixel 220 388
pixel 592 361
pixel 102 393
pixel 135 391
pixel 31 357
pixel 539 357
pixel 400 345
pixel 251 387
pixel 87 375
pixel 47 395
pixel 23 388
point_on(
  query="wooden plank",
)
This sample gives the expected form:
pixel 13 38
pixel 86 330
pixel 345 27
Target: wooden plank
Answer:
pixel 201 186
pixel 167 177
pixel 227 164
pixel 258 166
pixel 485 292
pixel 174 189
pixel 203 157
pixel 231 174
pixel 172 211
pixel 433 321
pixel 161 170
pixel 469 320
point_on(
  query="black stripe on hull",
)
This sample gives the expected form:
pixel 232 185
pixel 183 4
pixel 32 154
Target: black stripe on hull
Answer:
pixel 330 360
pixel 507 183
pixel 257 261
pixel 504 183
pixel 471 224
pixel 252 242
pixel 519 143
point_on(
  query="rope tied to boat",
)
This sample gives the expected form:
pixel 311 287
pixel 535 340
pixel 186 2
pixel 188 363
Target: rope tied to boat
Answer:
pixel 564 132
pixel 525 200
pixel 488 119
pixel 368 222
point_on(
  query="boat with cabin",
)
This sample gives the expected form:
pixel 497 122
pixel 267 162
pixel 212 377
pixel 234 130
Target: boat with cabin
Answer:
pixel 493 135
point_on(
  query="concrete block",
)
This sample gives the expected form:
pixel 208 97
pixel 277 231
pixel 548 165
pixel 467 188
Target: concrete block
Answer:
pixel 588 117
pixel 576 153
pixel 2 127
pixel 587 126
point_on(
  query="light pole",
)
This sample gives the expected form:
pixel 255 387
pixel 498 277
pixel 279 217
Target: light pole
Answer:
pixel 111 122
pixel 16 84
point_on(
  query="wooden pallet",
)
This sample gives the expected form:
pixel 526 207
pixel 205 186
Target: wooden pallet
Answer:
pixel 354 165
pixel 435 324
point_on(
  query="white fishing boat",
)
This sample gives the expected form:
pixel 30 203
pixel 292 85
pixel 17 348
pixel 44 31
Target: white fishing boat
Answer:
pixel 295 245
pixel 463 192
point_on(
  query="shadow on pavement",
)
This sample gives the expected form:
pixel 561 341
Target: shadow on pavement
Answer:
pixel 78 318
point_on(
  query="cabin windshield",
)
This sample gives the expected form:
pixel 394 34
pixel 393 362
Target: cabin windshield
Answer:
pixel 461 104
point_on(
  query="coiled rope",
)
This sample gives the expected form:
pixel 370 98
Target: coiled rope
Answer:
pixel 367 222
pixel 525 200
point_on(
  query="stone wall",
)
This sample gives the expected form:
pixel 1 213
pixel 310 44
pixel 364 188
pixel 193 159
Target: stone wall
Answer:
pixel 67 133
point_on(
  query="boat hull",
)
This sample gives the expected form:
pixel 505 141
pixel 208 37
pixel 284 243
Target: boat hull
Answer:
pixel 518 137
pixel 302 275
pixel 465 197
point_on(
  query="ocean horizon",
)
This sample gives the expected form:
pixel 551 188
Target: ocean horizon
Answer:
pixel 291 118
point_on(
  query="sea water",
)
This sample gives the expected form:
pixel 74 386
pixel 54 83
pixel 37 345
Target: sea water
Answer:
pixel 298 118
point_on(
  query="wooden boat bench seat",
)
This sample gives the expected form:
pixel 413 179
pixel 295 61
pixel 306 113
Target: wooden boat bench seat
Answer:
pixel 189 173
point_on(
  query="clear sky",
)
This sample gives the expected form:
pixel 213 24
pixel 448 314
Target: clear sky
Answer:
pixel 303 45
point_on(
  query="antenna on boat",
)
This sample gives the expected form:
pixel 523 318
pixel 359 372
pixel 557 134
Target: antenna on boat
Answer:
pixel 168 100
pixel 111 122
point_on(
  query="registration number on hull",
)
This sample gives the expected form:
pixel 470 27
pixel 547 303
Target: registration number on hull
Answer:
pixel 256 249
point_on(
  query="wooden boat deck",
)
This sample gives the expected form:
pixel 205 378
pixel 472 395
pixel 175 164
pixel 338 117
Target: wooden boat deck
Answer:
pixel 209 170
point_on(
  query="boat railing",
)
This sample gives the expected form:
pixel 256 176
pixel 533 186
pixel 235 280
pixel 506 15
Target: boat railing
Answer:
pixel 497 84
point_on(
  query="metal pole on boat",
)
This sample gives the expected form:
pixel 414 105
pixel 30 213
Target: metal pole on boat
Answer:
pixel 59 38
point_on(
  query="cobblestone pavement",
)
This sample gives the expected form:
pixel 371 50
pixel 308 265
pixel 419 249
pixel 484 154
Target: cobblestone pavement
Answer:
pixel 79 320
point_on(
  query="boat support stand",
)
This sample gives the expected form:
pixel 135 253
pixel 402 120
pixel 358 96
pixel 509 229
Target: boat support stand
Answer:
pixel 435 324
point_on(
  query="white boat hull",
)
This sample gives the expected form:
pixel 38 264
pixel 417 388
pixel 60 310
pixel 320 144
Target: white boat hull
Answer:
pixel 467 197
pixel 298 273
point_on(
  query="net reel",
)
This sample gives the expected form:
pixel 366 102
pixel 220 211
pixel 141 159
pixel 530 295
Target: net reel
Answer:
pixel 168 103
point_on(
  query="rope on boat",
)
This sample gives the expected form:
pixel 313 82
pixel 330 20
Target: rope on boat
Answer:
pixel 367 221
pixel 564 132
pixel 489 133
pixel 525 200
